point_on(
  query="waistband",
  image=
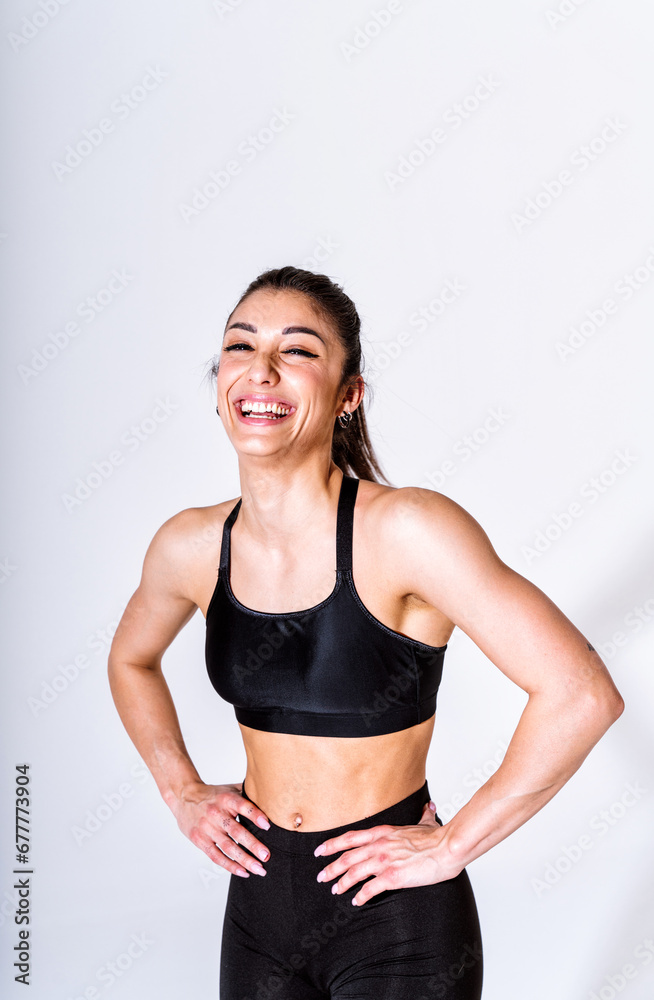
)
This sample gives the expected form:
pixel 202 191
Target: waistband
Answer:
pixel 407 811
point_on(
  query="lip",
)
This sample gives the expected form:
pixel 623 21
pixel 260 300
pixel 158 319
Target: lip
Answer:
pixel 261 397
pixel 261 421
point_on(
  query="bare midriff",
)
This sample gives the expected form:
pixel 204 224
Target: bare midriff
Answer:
pixel 307 783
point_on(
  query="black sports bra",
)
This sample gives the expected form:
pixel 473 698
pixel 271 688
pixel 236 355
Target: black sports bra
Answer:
pixel 330 670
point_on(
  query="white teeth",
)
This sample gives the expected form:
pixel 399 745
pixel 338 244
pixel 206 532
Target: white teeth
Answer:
pixel 255 406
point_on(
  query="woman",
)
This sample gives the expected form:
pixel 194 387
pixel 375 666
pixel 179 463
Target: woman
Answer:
pixel 334 674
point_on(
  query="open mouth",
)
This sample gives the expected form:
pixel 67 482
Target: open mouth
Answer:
pixel 253 411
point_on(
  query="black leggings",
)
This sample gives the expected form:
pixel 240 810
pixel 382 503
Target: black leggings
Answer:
pixel 285 936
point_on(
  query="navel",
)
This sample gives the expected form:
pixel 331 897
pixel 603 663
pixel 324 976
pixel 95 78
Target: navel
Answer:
pixel 297 820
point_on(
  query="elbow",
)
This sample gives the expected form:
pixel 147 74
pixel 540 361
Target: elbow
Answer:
pixel 610 702
pixel 113 675
pixel 602 708
pixel 114 666
pixel 615 708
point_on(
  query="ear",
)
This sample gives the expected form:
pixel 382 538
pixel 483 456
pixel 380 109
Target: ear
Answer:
pixel 354 392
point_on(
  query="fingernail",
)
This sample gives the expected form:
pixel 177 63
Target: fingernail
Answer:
pixel 319 850
pixel 259 869
pixel 432 806
pixel 263 854
pixel 353 901
pixel 335 888
pixel 320 876
pixel 263 823
pixel 242 873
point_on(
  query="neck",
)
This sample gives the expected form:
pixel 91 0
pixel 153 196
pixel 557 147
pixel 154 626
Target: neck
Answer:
pixel 278 502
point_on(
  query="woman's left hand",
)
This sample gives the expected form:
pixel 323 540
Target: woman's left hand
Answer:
pixel 397 856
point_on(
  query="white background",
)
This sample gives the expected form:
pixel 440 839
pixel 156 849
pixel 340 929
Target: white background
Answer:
pixel 361 98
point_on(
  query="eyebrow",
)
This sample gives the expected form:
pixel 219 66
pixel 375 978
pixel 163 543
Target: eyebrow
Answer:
pixel 287 329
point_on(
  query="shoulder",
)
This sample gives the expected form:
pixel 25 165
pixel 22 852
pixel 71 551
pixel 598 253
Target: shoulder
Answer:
pixel 410 514
pixel 430 538
pixel 183 545
pixel 194 525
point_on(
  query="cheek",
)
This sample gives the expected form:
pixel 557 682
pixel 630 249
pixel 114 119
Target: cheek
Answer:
pixel 228 371
pixel 319 382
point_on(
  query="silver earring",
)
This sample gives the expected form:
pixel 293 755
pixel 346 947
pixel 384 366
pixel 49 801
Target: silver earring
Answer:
pixel 217 411
pixel 345 418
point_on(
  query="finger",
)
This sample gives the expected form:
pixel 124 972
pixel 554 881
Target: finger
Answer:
pixel 216 855
pixel 217 820
pixel 240 835
pixel 429 813
pixel 233 851
pixel 341 865
pixel 387 879
pixel 253 813
pixel 357 873
pixel 352 838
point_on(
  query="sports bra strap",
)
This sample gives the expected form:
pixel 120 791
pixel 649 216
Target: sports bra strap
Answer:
pixel 227 531
pixel 344 523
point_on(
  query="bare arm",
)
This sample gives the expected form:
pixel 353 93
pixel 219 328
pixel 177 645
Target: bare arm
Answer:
pixel 155 614
pixel 444 557
pixel 572 698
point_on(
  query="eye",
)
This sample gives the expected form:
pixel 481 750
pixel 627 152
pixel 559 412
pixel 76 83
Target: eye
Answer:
pixel 291 350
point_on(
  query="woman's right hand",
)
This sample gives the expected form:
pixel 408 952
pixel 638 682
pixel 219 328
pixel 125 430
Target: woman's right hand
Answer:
pixel 206 814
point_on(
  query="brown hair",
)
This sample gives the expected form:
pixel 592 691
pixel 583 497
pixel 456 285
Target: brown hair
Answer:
pixel 352 451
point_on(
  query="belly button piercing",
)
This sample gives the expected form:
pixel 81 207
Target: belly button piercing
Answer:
pixel 298 820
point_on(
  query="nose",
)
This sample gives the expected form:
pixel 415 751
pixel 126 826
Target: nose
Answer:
pixel 262 369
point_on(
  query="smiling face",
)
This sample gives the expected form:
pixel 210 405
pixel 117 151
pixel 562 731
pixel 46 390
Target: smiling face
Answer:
pixel 279 378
